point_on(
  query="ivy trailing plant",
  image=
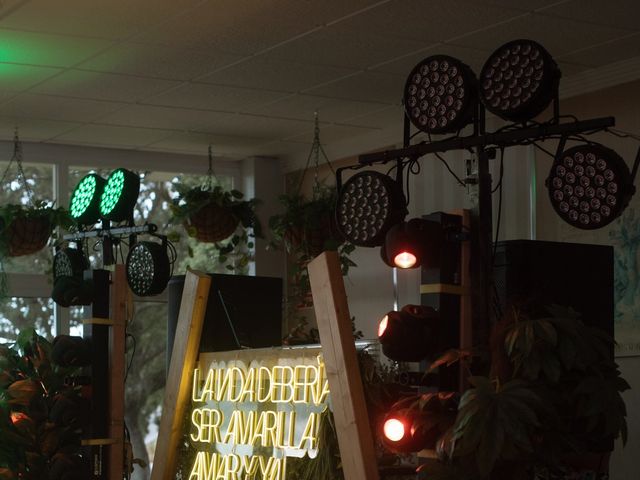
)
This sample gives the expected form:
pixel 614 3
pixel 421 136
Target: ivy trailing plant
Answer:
pixel 304 229
pixel 220 217
pixel 548 407
pixel 40 414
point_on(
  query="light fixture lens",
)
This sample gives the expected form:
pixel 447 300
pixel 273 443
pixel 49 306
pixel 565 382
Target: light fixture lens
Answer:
pixel 382 326
pixel 119 195
pixel 369 203
pixel 439 94
pixel 85 199
pixel 519 80
pixel 405 260
pixel 148 269
pixel 581 197
pixel 394 430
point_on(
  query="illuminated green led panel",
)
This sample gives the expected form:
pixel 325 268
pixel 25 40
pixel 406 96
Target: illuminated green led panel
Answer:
pixel 120 195
pixel 85 199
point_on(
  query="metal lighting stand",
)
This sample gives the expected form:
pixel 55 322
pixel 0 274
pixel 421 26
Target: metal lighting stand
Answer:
pixel 480 143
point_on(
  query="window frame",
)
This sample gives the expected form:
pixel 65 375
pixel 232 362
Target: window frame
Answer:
pixel 62 158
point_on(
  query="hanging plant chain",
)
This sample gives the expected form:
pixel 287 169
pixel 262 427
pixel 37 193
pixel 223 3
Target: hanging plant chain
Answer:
pixel 22 178
pixel 316 150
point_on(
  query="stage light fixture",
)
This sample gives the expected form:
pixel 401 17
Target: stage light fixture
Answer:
pixel 119 196
pixel 148 268
pixel 519 80
pixel 84 205
pixel 69 262
pixel 400 430
pixel 440 95
pixel 589 186
pixel 409 335
pixel 369 203
pixel 408 244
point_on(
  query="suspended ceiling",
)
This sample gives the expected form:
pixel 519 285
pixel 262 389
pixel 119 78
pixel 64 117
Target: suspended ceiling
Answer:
pixel 247 75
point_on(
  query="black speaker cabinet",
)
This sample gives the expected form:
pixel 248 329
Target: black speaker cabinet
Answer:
pixel 574 275
pixel 242 312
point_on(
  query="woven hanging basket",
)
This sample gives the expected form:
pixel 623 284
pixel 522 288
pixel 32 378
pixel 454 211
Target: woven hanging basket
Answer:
pixel 26 236
pixel 212 223
pixel 314 238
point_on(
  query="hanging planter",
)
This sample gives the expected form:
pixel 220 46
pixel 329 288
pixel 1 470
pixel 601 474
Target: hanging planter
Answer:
pixel 217 216
pixel 25 228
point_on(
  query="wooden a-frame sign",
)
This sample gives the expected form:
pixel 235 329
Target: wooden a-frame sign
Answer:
pixel 334 324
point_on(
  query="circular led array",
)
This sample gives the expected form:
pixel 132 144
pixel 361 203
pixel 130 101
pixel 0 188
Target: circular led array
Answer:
pixel 369 204
pixel 148 268
pixel 519 80
pixel 85 199
pixel 589 186
pixel 69 262
pixel 119 195
pixel 440 94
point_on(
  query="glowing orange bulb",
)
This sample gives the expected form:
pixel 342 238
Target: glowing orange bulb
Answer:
pixel 17 417
pixel 382 327
pixel 405 260
pixel 394 429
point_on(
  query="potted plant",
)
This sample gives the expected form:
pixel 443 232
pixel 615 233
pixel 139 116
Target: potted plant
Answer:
pixel 25 229
pixel 305 229
pixel 218 216
pixel 547 407
pixel 40 414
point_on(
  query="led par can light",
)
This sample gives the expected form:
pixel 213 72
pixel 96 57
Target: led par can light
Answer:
pixel 413 244
pixel 440 95
pixel 148 268
pixel 410 335
pixel 120 195
pixel 400 434
pixel 368 205
pixel 519 80
pixel 84 205
pixel 69 262
pixel 589 186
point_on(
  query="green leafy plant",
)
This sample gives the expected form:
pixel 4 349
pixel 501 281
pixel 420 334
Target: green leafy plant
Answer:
pixel 220 217
pixel 305 229
pixel 550 399
pixel 39 413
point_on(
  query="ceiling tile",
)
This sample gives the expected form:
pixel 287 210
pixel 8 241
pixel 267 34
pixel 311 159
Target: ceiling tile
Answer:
pixel 526 5
pixel 165 62
pixel 559 36
pixel 103 86
pixel 302 107
pixel 255 126
pixel 343 46
pixel 613 14
pixel 606 53
pixel 45 49
pixel 281 148
pixel 429 22
pixel 31 129
pixel 192 142
pixel 151 116
pixel 266 73
pixel 377 87
pixel 249 26
pixel 57 108
pixel 473 57
pixel 112 19
pixel 112 136
pixel 213 97
pixel 333 133
pixel 383 118
pixel 17 78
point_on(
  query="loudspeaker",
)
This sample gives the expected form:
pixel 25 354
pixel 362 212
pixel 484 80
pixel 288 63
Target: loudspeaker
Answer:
pixel 574 275
pixel 242 312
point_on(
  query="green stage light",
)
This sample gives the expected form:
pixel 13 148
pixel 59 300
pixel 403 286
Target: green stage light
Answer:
pixel 120 195
pixel 85 199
